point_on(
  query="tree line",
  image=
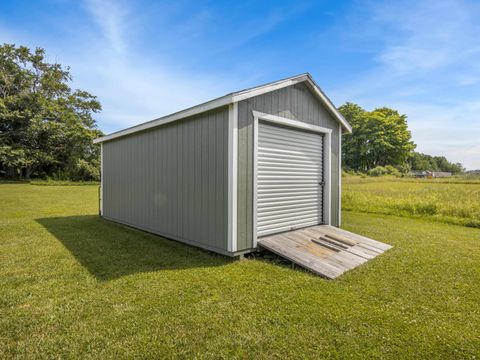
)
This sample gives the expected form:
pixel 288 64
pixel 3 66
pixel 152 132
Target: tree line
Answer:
pixel 47 128
pixel 381 139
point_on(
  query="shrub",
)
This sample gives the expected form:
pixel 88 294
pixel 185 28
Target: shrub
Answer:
pixel 86 171
pixel 391 170
pixel 381 171
pixel 377 171
pixel 404 168
pixel 349 171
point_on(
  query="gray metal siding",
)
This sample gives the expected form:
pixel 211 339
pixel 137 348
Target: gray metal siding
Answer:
pixel 295 102
pixel 172 180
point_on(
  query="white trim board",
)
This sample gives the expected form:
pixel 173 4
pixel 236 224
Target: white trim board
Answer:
pixel 232 98
pixel 232 175
pixel 339 175
pixel 291 123
pixel 101 179
pixel 327 204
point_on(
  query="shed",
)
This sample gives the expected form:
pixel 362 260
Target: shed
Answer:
pixel 224 174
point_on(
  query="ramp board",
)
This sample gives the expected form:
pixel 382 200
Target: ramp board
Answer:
pixel 323 249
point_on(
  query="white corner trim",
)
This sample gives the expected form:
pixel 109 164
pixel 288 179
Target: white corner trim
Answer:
pixel 339 175
pixel 327 196
pixel 256 117
pixel 327 150
pixel 101 179
pixel 232 175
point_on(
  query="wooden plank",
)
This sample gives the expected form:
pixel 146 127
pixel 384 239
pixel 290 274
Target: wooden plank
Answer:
pixel 349 261
pixel 289 249
pixel 306 256
pixel 332 231
pixel 361 252
pixel 323 249
pixel 283 249
pixel 339 244
pixel 356 237
pixel 308 246
pixel 371 248
pixel 326 244
pixel 301 248
pixel 342 239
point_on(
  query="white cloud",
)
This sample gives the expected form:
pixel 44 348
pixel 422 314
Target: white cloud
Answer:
pixel 438 131
pixel 428 35
pixel 131 87
pixel 428 68
pixel 133 91
pixel 111 17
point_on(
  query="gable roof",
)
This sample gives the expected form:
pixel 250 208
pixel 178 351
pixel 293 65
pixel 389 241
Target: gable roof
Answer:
pixel 232 98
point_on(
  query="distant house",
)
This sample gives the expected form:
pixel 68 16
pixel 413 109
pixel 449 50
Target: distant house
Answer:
pixel 431 174
pixel 441 174
pixel 419 174
pixel 472 172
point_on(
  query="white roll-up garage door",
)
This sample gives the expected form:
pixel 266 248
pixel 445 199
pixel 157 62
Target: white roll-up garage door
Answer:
pixel 289 179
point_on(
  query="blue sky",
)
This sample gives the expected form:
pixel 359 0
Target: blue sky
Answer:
pixel 147 59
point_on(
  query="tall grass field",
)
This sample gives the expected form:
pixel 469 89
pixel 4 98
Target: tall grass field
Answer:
pixel 452 200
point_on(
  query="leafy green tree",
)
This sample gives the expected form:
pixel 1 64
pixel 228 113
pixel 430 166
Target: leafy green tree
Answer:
pixel 422 162
pixel 445 165
pixel 379 138
pixel 46 127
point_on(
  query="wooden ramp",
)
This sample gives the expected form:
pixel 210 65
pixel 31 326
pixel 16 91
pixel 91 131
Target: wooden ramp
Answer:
pixel 323 249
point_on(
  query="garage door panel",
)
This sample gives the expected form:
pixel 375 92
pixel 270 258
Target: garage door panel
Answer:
pixel 278 139
pixel 287 209
pixel 278 205
pixel 281 158
pixel 289 178
pixel 291 206
pixel 290 153
pixel 293 145
pixel 293 190
pixel 285 157
pixel 290 169
pixel 285 133
pixel 286 226
pixel 289 182
pixel 273 197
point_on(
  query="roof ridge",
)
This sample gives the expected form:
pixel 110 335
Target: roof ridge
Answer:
pixel 228 99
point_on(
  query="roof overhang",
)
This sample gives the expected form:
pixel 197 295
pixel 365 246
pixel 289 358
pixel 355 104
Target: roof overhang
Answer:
pixel 232 98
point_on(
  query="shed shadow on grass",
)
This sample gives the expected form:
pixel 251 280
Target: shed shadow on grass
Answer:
pixel 109 251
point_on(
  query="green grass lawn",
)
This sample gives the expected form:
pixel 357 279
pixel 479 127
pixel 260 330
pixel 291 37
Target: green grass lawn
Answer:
pixel 450 200
pixel 76 286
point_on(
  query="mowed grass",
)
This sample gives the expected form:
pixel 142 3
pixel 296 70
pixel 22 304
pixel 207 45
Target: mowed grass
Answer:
pixel 76 286
pixel 451 200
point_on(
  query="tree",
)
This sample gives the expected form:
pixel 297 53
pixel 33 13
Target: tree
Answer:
pixel 45 127
pixel 422 162
pixel 379 138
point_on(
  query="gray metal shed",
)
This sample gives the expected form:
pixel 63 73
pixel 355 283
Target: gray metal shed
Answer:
pixel 222 174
